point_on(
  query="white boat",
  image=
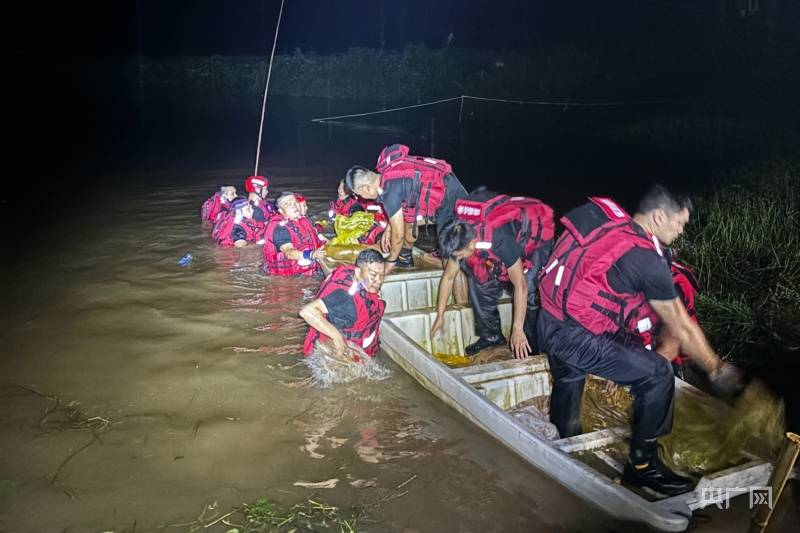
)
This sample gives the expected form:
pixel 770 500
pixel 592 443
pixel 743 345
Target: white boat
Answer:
pixel 485 394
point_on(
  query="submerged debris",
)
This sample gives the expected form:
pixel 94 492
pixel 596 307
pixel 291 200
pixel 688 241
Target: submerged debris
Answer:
pixel 327 484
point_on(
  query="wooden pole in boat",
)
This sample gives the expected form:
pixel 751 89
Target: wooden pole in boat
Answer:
pixel 266 89
pixel 780 474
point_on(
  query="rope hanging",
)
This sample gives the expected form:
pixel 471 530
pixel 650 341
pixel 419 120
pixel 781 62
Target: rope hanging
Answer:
pixel 266 89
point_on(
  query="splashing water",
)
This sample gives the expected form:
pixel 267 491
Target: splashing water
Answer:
pixel 327 369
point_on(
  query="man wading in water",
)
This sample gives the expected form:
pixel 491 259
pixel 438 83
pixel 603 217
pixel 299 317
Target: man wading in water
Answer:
pixel 348 310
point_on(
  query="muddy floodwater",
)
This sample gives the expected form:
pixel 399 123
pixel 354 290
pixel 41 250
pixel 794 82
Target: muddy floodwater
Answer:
pixel 136 393
pixel 190 391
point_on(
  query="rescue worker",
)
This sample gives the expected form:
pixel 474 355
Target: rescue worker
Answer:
pixel 347 204
pixel 291 244
pixel 497 240
pixel 413 191
pixel 348 310
pixel 237 227
pixel 605 283
pixel 257 190
pixel 217 203
pixel 301 201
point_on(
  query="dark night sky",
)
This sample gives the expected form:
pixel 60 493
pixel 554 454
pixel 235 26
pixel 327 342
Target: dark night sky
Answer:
pixel 171 27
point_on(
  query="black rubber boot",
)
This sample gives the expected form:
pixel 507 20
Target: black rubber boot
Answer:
pixel 405 259
pixel 645 469
pixel 482 343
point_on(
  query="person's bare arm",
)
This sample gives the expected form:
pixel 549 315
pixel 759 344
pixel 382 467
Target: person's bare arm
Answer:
pixel 290 253
pixel 690 337
pixel 445 290
pixel 668 344
pixel 518 340
pixel 314 314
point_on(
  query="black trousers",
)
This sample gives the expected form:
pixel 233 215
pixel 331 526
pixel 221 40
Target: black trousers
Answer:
pixel 483 298
pixel 453 192
pixel 574 352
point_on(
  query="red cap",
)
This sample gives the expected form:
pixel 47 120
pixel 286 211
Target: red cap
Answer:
pixel 299 197
pixel 255 183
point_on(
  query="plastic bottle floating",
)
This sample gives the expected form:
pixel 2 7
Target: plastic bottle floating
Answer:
pixel 186 260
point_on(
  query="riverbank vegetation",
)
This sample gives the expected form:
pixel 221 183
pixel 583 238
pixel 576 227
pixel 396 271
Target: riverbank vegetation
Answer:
pixel 744 241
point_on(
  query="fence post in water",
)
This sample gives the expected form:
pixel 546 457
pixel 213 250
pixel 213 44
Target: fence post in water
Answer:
pixel 780 474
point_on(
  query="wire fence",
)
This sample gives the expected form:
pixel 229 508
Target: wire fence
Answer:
pixel 564 104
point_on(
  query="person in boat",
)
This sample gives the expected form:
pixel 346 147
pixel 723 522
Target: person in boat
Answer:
pixel 347 204
pixel 217 203
pixel 237 227
pixel 413 191
pixel 687 287
pixel 606 282
pixel 497 240
pixel 257 190
pixel 291 243
pixel 348 309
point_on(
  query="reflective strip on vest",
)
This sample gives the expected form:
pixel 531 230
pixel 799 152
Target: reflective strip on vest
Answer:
pixel 559 274
pixel 614 208
pixel 551 267
pixel 368 340
pixel 483 245
pixel 644 325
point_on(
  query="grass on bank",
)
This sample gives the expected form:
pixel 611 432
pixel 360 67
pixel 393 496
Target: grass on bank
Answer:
pixel 744 241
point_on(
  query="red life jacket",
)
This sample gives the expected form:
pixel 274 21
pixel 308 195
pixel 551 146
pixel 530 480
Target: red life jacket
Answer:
pixel 379 217
pixel 575 283
pixel 265 207
pixel 223 229
pixel 536 227
pixel 303 236
pixel 369 311
pixel 687 285
pixel 211 208
pixel 373 236
pixel 377 210
pixel 342 207
pixel 428 190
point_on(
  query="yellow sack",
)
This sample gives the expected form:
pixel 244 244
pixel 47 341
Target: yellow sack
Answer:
pixel 349 229
pixel 345 253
